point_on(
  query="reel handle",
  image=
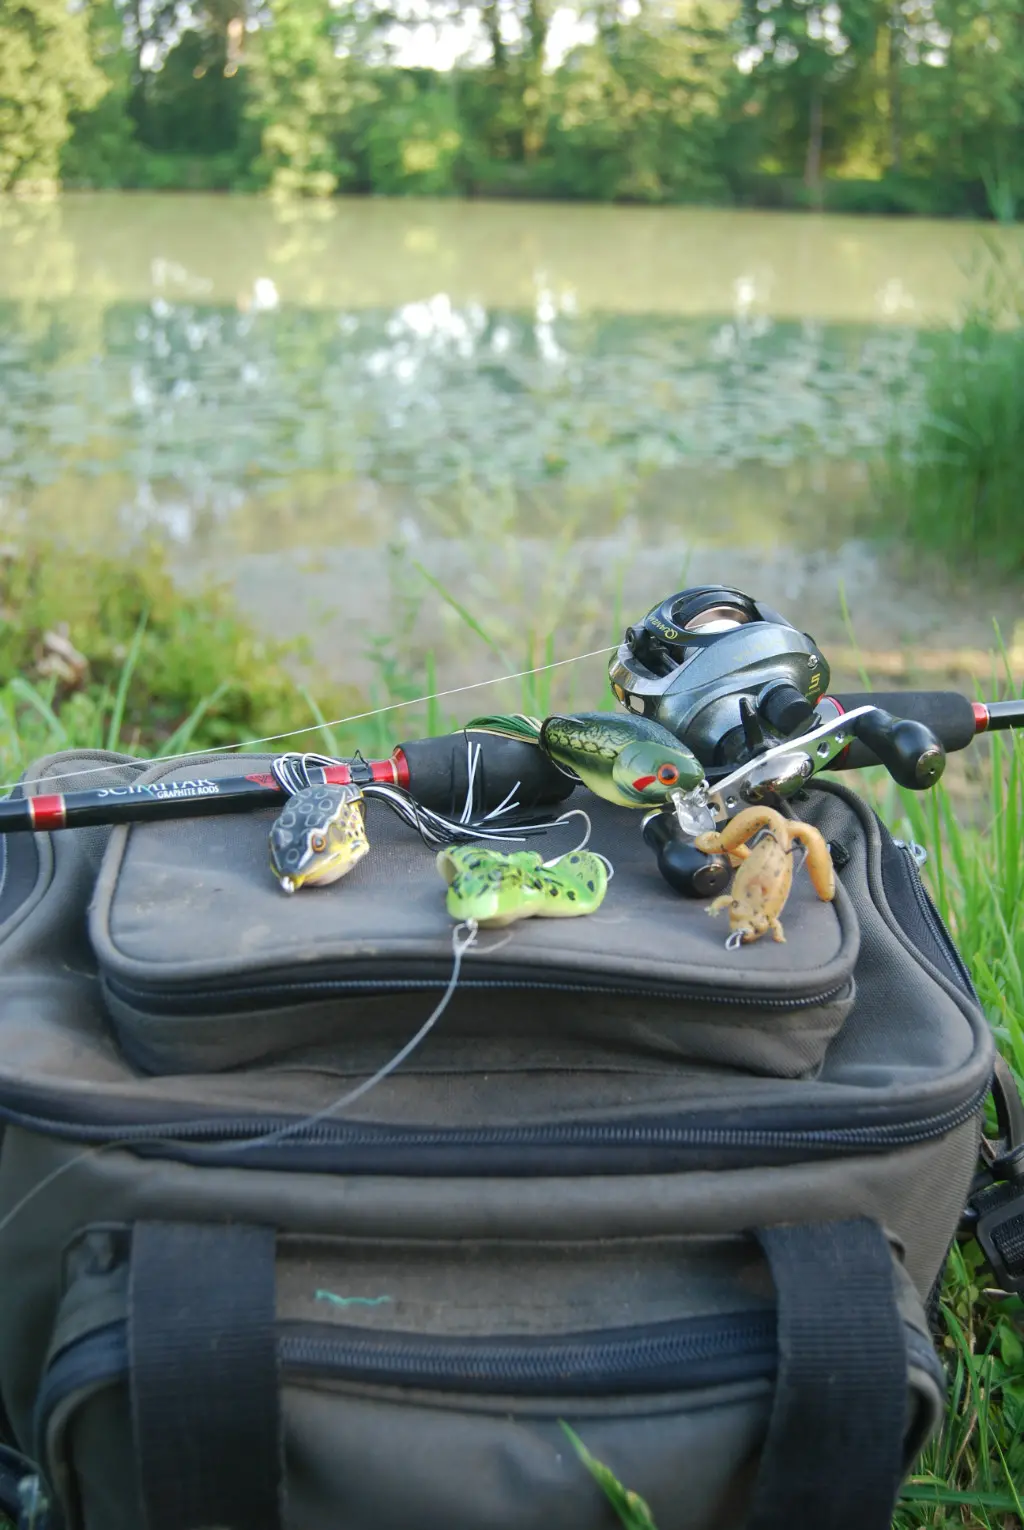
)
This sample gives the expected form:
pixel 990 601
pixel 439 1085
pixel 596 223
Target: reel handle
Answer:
pixel 909 750
pixel 951 718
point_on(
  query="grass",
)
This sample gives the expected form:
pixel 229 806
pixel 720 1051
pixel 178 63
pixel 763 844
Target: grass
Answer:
pixel 970 1475
pixel 952 480
pixel 100 652
pixel 167 674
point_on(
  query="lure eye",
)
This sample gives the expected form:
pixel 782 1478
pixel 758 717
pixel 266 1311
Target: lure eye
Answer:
pixel 317 842
pixel 668 775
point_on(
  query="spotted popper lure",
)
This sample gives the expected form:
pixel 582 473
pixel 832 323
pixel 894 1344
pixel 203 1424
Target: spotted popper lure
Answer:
pixel 318 837
pixel 492 888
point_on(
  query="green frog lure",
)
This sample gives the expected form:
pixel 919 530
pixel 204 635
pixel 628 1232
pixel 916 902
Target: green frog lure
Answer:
pixel 628 760
pixel 491 889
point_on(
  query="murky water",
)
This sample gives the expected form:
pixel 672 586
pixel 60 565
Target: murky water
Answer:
pixel 546 409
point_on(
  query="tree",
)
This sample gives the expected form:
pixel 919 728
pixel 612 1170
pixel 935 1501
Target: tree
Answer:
pixel 102 150
pixel 803 52
pixel 303 92
pixel 641 110
pixel 46 74
pixel 965 96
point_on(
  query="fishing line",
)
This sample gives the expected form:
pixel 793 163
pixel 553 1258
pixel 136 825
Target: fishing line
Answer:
pixel 337 722
pixel 464 936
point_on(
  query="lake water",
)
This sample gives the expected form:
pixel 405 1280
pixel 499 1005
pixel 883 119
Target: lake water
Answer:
pixel 557 414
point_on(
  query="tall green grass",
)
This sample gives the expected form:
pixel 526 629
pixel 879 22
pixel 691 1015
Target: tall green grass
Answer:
pixel 973 1475
pixel 952 480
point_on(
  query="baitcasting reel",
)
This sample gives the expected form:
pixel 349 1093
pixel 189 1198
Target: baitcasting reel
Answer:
pixel 725 674
pixel 744 689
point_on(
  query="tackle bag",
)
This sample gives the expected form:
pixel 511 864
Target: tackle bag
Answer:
pixel 637 1204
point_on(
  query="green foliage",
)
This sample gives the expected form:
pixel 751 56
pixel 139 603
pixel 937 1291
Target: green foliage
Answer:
pixel 868 106
pixel 165 672
pixel 639 115
pixel 967 116
pixel 953 483
pixel 302 98
pixel 412 138
pixel 103 151
pixel 193 104
pixel 46 73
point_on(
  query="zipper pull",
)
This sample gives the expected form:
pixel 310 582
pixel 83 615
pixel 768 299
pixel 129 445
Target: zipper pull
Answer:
pixel 913 849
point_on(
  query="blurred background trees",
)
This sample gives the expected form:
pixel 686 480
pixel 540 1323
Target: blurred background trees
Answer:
pixel 875 105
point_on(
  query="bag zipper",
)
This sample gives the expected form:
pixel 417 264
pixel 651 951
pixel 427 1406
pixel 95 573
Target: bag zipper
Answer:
pixel 679 1356
pixel 934 921
pixel 218 1001
pixel 338 1147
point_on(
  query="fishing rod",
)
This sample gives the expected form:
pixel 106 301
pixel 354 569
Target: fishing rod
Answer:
pixel 442 774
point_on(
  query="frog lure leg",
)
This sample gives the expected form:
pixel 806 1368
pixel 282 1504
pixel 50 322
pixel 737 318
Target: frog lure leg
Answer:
pixel 764 876
pixel 628 760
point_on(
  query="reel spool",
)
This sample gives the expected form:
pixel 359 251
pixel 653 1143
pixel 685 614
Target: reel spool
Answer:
pixel 728 676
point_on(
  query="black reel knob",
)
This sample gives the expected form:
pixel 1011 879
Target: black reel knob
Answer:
pixel 784 708
pixel 910 752
pixel 687 870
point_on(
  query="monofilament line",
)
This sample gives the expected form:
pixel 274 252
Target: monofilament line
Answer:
pixel 463 937
pixel 336 722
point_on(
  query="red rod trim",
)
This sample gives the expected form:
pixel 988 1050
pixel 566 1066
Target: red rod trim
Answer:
pixel 401 769
pixel 46 812
pixel 981 716
pixel 337 775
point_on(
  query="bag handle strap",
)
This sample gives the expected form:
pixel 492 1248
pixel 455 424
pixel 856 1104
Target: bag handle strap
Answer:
pixel 834 1454
pixel 204 1376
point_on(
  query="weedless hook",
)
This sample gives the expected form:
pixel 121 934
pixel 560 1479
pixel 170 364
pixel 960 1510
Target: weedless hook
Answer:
pixel 564 818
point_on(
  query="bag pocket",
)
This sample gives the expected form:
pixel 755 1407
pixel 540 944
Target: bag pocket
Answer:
pixel 207 965
pixel 218 1375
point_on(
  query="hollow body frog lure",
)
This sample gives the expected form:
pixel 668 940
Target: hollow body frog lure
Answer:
pixel 492 889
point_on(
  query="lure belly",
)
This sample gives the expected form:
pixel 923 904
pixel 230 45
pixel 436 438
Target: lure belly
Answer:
pixel 628 760
pixel 495 889
pixel 318 837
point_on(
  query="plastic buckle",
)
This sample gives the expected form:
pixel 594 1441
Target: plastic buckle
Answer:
pixel 997 1220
